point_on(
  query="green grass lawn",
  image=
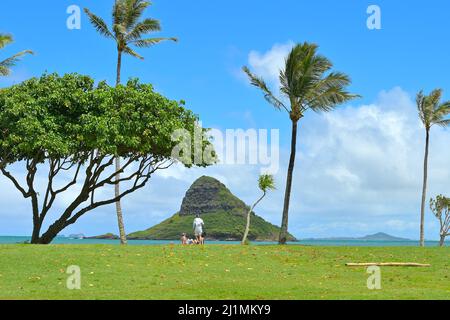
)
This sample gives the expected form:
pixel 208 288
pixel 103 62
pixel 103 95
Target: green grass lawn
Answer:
pixel 219 272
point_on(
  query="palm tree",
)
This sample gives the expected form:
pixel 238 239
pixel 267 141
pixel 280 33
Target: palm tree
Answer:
pixel 7 64
pixel 265 183
pixel 431 112
pixel 306 83
pixel 127 30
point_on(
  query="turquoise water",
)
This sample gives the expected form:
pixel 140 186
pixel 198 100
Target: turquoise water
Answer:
pixel 326 243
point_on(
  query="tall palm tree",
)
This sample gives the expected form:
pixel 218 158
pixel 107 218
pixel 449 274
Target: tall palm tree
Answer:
pixel 127 30
pixel 306 83
pixel 5 65
pixel 265 183
pixel 431 112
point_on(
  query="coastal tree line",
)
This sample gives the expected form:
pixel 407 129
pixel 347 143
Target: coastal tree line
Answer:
pixel 112 136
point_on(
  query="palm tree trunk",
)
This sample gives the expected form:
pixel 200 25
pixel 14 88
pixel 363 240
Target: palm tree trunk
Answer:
pixel 424 191
pixel 249 214
pixel 122 233
pixel 287 195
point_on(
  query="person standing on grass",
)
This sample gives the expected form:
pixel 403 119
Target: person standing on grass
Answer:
pixel 184 239
pixel 198 228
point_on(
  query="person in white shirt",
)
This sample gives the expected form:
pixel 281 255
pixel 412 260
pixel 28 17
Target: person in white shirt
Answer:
pixel 198 228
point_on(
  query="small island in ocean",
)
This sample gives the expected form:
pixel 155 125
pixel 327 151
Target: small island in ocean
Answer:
pixel 224 215
pixel 380 236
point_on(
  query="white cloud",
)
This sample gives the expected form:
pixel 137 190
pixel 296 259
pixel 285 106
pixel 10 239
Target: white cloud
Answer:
pixel 268 65
pixel 364 164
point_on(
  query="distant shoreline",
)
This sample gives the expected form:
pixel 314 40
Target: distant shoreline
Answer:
pixel 8 240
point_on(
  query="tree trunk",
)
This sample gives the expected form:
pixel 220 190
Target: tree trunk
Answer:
pixel 119 67
pixel 249 214
pixel 424 191
pixel 247 227
pixel 36 232
pixel 50 234
pixel 37 223
pixel 442 241
pixel 287 196
pixel 122 233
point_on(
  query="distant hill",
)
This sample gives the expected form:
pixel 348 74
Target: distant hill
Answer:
pixel 223 213
pixel 108 236
pixel 380 236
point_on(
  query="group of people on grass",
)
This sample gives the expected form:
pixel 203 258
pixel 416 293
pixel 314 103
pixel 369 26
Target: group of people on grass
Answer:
pixel 198 227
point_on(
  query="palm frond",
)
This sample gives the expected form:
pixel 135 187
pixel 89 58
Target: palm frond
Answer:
pixel 134 10
pixel 442 110
pixel 268 95
pixel 443 123
pixel 145 43
pixel 329 99
pixel 434 98
pixel 144 27
pixel 4 71
pixel 5 39
pixel 266 182
pixel 99 24
pixel 6 64
pixel 420 100
pixel 131 52
pixel 325 94
pixel 118 12
pixel 304 69
pixel 431 110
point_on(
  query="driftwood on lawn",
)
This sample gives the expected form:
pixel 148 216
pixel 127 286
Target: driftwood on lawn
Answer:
pixel 388 264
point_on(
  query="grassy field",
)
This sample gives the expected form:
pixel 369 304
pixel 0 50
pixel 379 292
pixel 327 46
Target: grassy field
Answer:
pixel 219 272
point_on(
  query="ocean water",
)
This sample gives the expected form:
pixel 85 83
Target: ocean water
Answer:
pixel 323 243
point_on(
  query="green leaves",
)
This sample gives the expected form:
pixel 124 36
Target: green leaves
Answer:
pixel 69 117
pixel 6 64
pixel 431 110
pixel 127 30
pixel 145 43
pixel 142 28
pixel 99 24
pixel 266 182
pixel 307 82
pixel 259 83
pixel 5 39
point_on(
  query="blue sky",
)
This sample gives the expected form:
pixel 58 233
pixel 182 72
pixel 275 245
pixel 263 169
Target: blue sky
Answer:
pixel 217 38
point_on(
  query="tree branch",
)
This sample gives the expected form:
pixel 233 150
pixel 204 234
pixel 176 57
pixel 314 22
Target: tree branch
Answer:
pixel 26 194
pixel 137 185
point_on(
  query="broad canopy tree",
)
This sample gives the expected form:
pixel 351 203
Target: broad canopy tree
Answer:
pixel 67 126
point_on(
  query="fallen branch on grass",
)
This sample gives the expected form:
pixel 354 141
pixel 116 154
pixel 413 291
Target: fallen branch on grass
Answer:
pixel 388 264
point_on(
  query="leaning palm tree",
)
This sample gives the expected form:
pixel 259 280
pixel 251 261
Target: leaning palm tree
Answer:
pixel 431 112
pixel 265 183
pixel 7 64
pixel 127 30
pixel 307 83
